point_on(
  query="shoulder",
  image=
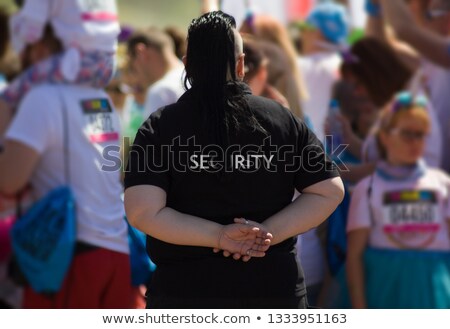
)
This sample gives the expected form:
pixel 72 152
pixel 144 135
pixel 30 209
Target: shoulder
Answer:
pixel 171 82
pixel 49 98
pixel 439 174
pixel 41 99
pixel 271 110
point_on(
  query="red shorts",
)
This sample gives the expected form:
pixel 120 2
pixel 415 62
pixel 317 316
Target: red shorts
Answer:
pixel 97 279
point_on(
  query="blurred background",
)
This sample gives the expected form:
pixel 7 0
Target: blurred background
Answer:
pixel 373 75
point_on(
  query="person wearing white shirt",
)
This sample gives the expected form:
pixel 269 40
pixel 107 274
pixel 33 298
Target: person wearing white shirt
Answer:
pixel 88 31
pixel 34 151
pixel 153 59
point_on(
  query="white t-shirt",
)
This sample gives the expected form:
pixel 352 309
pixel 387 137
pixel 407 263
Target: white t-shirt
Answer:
pixel 406 214
pixel 165 91
pixel 93 136
pixel 312 257
pixel 320 71
pixel 85 24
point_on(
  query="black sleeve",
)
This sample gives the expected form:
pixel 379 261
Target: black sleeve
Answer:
pixel 148 161
pixel 314 165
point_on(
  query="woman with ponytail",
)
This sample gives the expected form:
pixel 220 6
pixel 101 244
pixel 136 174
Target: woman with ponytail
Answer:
pixel 210 180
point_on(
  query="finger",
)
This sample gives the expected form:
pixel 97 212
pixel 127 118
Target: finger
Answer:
pixel 237 256
pixel 262 248
pixel 216 250
pixel 255 253
pixel 244 228
pixel 262 241
pixel 264 235
pixel 241 221
pixel 246 258
pixel 226 253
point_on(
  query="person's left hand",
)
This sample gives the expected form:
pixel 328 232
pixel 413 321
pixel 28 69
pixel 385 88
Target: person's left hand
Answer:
pixel 258 247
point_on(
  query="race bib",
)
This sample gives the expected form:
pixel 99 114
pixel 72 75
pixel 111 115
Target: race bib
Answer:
pixel 411 218
pixel 99 122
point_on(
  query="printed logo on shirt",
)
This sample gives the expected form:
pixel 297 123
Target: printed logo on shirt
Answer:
pixel 98 10
pixel 411 217
pixel 99 121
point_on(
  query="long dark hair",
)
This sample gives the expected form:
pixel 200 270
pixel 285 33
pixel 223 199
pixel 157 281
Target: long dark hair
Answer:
pixel 211 74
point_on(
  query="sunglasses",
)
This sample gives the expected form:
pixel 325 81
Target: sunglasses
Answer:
pixel 410 135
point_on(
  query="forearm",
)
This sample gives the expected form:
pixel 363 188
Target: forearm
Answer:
pixel 429 44
pixel 399 17
pixel 174 227
pixel 355 147
pixel 355 281
pixel 306 212
pixel 354 173
pixel 6 117
pixel 375 28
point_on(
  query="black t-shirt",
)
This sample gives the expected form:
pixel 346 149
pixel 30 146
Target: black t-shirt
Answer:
pixel 254 178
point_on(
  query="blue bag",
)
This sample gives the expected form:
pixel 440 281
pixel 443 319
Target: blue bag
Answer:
pixel 43 240
pixel 336 249
pixel 142 267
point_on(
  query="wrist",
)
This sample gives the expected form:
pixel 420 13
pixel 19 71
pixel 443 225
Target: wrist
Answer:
pixel 373 9
pixel 273 231
pixel 219 234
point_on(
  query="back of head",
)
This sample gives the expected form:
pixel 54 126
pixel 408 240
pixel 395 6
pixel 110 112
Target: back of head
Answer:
pixel 376 65
pixel 211 51
pixel 213 48
pixel 254 58
pixel 179 40
pixel 150 37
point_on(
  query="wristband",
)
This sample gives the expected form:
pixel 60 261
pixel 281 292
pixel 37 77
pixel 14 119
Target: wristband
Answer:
pixel 373 9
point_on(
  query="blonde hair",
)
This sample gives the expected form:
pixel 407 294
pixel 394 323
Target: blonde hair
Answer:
pixel 403 106
pixel 269 29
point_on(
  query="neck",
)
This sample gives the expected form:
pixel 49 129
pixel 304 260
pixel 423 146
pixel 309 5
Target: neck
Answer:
pixel 170 62
pixel 166 64
pixel 314 46
pixel 400 163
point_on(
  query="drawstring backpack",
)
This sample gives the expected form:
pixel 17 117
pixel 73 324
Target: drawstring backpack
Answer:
pixel 43 239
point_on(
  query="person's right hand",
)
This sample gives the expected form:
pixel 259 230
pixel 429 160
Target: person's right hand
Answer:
pixel 260 245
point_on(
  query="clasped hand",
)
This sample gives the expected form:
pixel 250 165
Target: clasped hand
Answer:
pixel 244 239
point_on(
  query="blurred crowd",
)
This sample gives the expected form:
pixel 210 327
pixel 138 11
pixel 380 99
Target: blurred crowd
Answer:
pixel 377 98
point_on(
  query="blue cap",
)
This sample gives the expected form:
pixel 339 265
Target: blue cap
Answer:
pixel 331 19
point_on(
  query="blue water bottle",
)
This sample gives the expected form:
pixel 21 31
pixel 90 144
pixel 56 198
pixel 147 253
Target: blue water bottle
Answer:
pixel 335 124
